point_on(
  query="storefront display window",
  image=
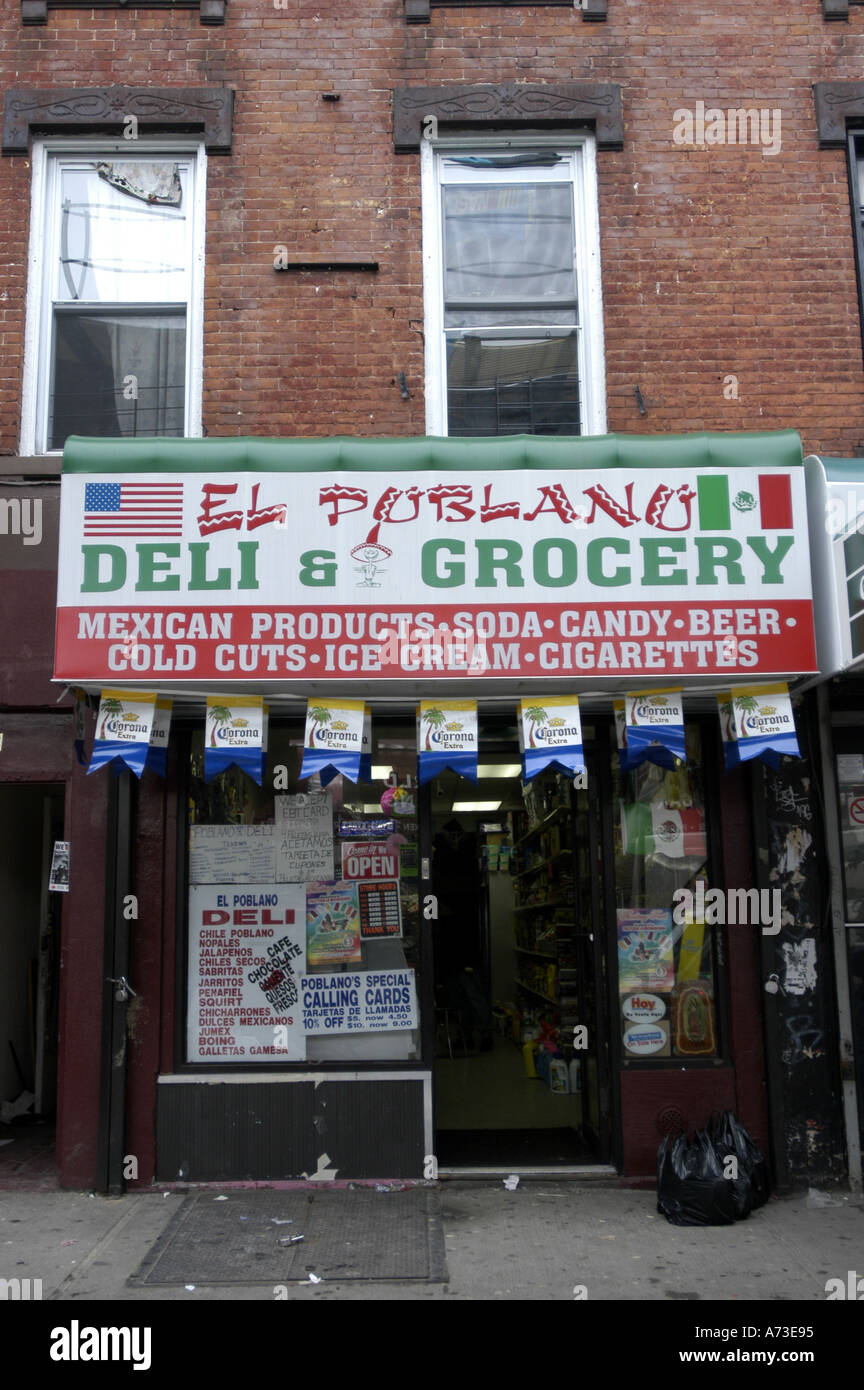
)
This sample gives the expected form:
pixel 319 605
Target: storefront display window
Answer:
pixel 666 961
pixel 303 942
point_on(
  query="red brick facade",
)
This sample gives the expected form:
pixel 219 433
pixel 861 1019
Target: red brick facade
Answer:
pixel 717 260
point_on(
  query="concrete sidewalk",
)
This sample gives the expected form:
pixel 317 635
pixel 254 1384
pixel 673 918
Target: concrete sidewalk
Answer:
pixel 536 1243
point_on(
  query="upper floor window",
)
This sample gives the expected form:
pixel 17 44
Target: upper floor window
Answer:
pixel 512 289
pixel 115 296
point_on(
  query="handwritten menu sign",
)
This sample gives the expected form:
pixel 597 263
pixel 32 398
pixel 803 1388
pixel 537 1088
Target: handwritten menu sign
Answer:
pixel 380 914
pixel 304 837
pixel 247 953
pixel 231 854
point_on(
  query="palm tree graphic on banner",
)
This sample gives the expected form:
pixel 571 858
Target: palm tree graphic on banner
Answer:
pixel 433 719
pixel 538 716
pixel 219 714
pixel 746 704
pixel 320 715
pixel 110 707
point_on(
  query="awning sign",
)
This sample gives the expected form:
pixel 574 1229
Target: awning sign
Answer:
pixel 233 735
pixel 656 558
pixel 653 729
pixel 333 741
pixel 551 736
pixel 446 737
pixel 123 728
pixel 757 722
pixel 157 753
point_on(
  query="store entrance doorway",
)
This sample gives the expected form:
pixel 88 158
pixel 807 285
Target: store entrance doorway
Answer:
pixel 521 1051
pixel 31 821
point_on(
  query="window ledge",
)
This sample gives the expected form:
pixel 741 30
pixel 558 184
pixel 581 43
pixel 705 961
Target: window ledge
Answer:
pixel 36 11
pixel 73 110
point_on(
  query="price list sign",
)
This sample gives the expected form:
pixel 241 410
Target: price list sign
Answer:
pixel 380 910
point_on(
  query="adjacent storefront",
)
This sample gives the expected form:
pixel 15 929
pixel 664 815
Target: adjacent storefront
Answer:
pixel 403 902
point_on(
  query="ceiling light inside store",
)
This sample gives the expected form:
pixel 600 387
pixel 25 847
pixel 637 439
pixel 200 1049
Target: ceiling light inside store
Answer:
pixel 499 769
pixel 475 805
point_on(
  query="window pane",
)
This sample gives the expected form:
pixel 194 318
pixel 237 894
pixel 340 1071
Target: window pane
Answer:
pixel 850 786
pixel 666 979
pixel 113 247
pixel 508 244
pixel 512 385
pixel 117 375
pixel 239 838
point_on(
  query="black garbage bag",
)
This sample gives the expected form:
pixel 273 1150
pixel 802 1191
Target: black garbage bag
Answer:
pixel 730 1136
pixel 691 1188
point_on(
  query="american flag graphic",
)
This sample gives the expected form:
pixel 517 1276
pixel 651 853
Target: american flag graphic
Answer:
pixel 133 509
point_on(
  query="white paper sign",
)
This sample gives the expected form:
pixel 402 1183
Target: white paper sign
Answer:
pixel 375 1001
pixel 304 837
pixel 247 953
pixel 231 854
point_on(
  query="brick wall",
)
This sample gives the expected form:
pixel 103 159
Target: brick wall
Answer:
pixel 717 261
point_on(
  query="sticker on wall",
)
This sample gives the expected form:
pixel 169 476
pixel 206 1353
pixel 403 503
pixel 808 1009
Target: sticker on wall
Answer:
pixel 756 721
pixel 654 729
pixel 123 727
pixel 157 753
pixel 58 881
pixel 446 737
pixel 551 736
pixel 233 735
pixel 333 740
pixel 643 1007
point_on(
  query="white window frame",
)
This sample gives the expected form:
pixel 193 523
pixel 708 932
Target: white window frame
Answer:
pixel 37 334
pixel 580 152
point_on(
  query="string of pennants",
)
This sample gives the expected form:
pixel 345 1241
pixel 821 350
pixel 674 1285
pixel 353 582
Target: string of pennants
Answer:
pixel 132 728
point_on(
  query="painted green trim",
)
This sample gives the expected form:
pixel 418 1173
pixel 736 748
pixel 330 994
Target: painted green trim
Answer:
pixel 779 448
pixel 843 470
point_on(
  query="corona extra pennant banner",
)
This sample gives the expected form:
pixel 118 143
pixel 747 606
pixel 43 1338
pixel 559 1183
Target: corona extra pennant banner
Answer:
pixel 333 742
pixel 551 736
pixel 446 737
pixel 233 735
pixel 157 753
pixel 366 750
pixel 653 729
pixel 756 721
pixel 123 727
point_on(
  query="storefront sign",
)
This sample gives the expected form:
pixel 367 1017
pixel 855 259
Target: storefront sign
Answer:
pixel 373 1002
pixel 233 735
pixel 123 727
pixel 446 737
pixel 247 952
pixel 596 557
pixel 550 735
pixel 333 741
pixel 304 837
